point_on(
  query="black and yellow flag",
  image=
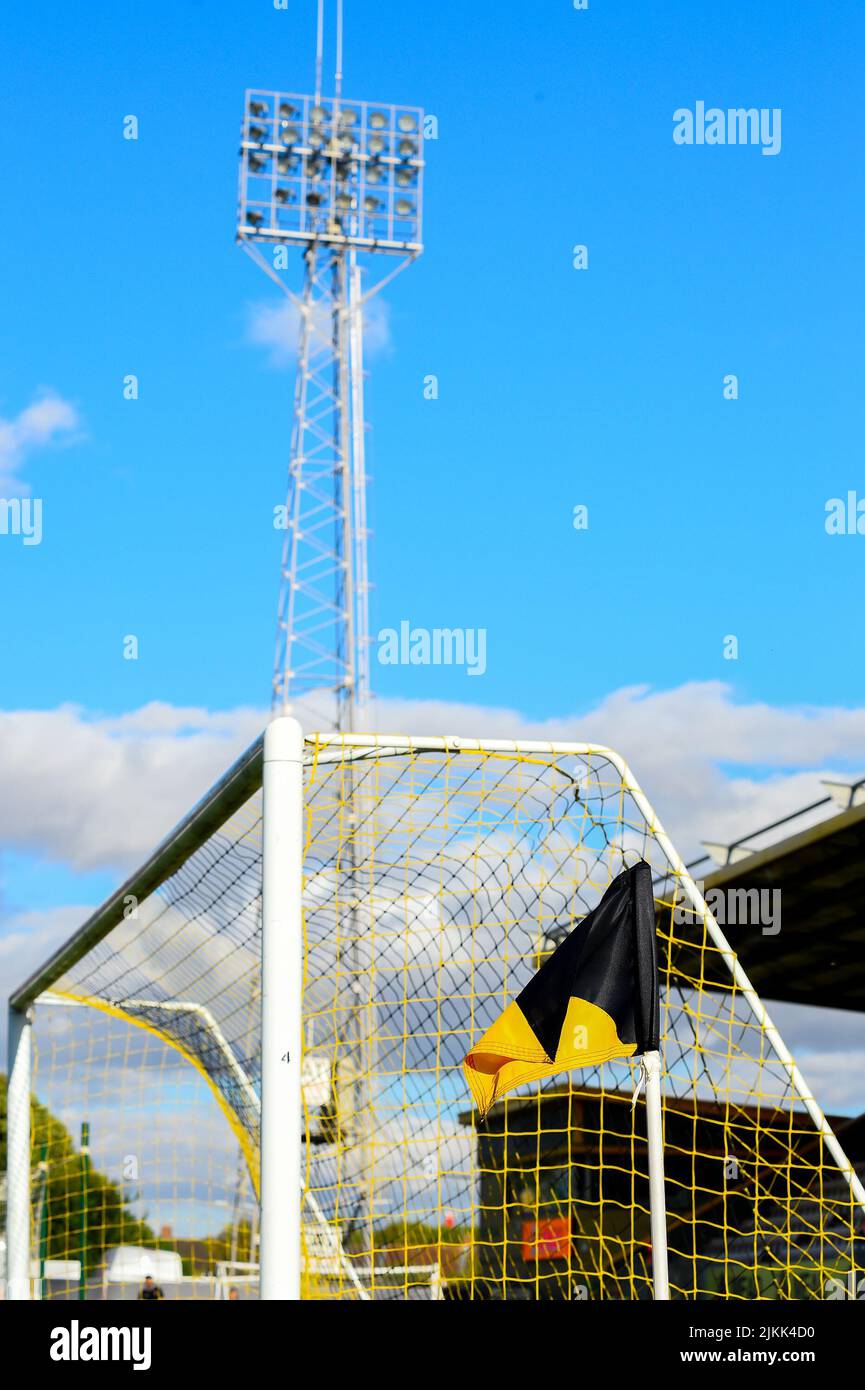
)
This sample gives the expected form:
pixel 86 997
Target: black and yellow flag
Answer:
pixel 593 999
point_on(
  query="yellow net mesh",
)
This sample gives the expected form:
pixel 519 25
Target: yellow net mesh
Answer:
pixel 435 881
pixel 134 1167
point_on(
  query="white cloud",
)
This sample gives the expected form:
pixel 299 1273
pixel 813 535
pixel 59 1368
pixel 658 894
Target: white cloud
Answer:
pixel 275 325
pixel 836 1077
pixel 48 420
pixel 819 1030
pixel 98 792
pixel 27 940
pixel 693 749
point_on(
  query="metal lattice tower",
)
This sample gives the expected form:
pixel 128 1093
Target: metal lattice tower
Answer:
pixel 341 181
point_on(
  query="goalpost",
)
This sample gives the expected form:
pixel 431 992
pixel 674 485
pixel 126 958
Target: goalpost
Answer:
pixel 250 1055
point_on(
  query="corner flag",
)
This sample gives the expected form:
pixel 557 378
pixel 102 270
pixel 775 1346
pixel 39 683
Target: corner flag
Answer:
pixel 593 999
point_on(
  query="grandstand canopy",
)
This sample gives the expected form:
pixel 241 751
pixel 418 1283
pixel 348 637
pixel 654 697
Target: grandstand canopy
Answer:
pixel 818 956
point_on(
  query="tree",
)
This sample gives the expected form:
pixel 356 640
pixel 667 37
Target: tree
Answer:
pixel 73 1186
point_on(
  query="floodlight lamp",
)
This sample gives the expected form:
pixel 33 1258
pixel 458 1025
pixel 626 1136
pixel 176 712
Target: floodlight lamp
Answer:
pixel 344 173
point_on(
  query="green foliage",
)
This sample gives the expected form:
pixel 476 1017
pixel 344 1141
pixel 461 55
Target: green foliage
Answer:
pixel 201 1256
pixel 73 1186
pixel 415 1235
pixel 800 1280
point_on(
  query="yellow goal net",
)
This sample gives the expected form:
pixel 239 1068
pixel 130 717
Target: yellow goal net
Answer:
pixel 438 874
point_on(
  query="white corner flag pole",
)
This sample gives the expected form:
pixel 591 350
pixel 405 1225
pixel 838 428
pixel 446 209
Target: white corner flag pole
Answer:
pixel 657 1203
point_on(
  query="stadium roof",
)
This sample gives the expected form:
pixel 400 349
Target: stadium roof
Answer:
pixel 818 955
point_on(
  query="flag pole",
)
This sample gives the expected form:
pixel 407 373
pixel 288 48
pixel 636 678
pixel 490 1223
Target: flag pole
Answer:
pixel 657 1204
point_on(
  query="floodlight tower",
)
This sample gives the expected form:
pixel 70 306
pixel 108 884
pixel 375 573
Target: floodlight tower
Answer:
pixel 342 182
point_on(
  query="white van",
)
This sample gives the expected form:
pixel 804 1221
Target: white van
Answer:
pixel 130 1264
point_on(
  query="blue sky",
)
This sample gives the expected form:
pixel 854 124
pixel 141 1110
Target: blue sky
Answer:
pixel 557 387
